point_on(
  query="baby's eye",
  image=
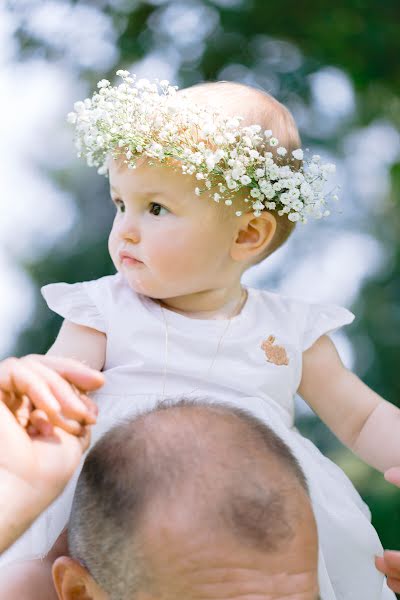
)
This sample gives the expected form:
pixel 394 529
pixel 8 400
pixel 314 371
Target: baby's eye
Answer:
pixel 155 209
pixel 120 205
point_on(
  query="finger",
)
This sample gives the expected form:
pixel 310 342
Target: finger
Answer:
pixel 92 409
pixel 11 400
pixel 17 379
pixel 40 421
pixel 21 377
pixel 84 438
pixel 380 564
pixel 393 475
pixel 23 412
pixel 68 425
pixel 70 403
pixel 73 371
pixel 394 584
pixel 392 562
pixel 32 431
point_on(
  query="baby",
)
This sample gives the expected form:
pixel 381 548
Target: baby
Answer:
pixel 200 196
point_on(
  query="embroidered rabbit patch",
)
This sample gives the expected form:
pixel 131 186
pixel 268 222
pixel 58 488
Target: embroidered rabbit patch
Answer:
pixel 274 354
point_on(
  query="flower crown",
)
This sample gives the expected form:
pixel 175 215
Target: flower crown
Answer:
pixel 139 118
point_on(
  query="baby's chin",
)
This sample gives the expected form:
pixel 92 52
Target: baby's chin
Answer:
pixel 141 283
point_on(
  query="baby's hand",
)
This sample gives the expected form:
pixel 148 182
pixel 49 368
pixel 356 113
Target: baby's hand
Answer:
pixel 393 476
pixel 389 565
pixel 46 391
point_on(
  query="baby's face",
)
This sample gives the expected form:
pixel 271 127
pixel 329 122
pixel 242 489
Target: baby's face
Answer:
pixel 165 240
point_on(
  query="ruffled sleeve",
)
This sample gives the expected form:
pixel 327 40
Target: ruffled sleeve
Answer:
pixel 321 319
pixel 81 303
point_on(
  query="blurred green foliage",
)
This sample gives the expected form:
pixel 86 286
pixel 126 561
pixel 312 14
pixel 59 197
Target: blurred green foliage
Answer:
pixel 276 42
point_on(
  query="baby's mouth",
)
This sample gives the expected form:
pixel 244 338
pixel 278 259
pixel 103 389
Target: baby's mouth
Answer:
pixel 127 259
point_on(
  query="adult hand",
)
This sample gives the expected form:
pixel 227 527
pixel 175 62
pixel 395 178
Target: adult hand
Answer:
pixel 42 390
pixel 39 451
pixel 389 563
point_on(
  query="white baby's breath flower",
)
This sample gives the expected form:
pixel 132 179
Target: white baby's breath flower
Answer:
pixel 258 205
pixel 144 118
pixel 285 171
pixel 247 141
pixel 79 106
pixel 284 198
pixel 272 172
pixel 254 154
pixel 232 185
pixel 294 193
pixel 298 154
pixel 210 162
pixel 313 170
pixel 328 168
pixel 237 172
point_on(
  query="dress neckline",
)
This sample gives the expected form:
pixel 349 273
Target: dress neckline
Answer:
pixel 184 322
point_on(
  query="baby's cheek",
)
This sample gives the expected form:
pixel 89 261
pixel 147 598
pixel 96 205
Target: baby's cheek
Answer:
pixel 112 248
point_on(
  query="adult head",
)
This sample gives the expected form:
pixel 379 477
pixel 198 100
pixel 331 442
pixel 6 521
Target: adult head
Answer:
pixel 186 502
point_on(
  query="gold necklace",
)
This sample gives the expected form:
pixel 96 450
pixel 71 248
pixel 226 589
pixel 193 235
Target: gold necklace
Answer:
pixel 238 307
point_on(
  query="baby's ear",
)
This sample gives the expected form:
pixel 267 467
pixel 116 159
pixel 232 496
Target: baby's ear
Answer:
pixel 73 582
pixel 254 234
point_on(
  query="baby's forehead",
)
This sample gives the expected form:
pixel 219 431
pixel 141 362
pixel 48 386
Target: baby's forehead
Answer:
pixel 152 179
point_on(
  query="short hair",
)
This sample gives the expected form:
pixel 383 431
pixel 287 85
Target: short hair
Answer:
pixel 154 456
pixel 256 107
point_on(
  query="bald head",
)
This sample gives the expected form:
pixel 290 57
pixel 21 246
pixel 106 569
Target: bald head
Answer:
pixel 203 481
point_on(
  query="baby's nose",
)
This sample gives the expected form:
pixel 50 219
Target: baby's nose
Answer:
pixel 130 232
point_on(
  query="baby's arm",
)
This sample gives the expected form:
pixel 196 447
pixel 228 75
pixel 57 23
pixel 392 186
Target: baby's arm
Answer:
pixel 82 343
pixel 359 417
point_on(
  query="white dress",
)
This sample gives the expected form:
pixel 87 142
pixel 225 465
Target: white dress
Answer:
pixel 241 375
